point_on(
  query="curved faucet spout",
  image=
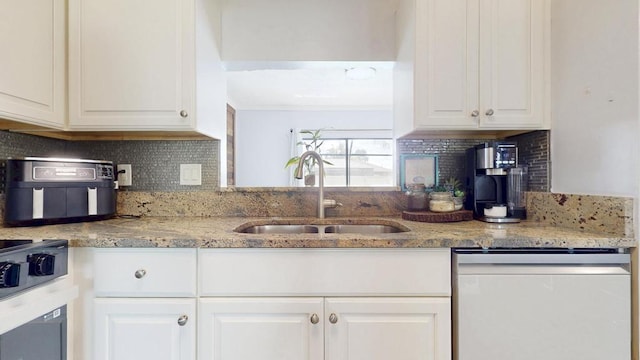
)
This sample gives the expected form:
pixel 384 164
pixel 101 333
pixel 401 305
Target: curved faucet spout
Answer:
pixel 313 154
pixel 298 174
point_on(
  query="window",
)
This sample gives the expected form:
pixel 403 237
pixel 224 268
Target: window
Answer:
pixel 358 162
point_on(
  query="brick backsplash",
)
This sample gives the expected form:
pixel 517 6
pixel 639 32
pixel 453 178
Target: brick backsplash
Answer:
pixel 533 151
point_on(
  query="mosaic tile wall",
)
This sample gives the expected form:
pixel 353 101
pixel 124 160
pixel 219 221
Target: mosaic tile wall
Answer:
pixel 533 150
pixel 20 145
pixel 159 161
pixel 155 164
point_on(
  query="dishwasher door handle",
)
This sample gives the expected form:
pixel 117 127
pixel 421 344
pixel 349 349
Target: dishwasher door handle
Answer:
pixel 541 269
pixel 542 258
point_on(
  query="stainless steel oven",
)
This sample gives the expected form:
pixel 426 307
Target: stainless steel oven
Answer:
pixel 33 296
pixel 43 338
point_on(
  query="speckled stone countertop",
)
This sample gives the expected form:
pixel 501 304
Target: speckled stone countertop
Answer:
pixel 218 232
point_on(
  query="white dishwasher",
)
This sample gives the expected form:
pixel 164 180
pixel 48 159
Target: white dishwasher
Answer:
pixel 541 304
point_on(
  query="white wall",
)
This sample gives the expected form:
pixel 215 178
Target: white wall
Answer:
pixel 338 30
pixel 595 116
pixel 596 126
pixel 211 86
pixel 263 139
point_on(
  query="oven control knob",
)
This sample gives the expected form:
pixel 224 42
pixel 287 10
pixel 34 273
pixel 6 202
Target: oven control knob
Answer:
pixel 9 274
pixel 41 264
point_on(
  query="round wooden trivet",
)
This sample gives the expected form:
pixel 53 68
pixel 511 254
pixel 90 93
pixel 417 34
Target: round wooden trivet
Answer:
pixel 436 217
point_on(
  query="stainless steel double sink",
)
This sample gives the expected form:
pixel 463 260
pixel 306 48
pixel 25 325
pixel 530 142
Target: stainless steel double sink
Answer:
pixel 383 227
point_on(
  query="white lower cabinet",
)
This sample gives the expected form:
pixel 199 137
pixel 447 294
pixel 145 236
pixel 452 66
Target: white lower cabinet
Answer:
pixel 387 328
pixel 139 329
pixel 144 307
pixel 317 304
pixel 330 328
pixel 266 304
pixel 261 328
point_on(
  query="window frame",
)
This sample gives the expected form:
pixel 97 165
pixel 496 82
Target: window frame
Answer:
pixel 348 142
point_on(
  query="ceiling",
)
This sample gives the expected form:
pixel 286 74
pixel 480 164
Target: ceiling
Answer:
pixel 320 85
pixel 292 54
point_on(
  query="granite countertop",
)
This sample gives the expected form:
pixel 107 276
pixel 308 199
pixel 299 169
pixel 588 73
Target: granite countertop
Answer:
pixel 217 232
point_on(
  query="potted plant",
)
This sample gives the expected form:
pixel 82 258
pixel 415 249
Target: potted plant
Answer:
pixel 454 186
pixel 312 144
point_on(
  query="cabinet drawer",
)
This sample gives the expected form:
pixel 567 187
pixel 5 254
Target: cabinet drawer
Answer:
pixel 325 272
pixel 145 272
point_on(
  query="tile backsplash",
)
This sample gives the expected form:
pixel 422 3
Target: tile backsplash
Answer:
pixel 533 151
pixel 20 145
pixel 155 163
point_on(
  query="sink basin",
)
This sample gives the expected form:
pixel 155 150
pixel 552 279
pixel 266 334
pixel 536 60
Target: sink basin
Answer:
pixel 271 228
pixel 362 229
pixel 280 229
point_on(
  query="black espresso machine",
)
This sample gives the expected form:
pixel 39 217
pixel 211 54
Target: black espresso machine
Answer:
pixel 41 190
pixel 494 183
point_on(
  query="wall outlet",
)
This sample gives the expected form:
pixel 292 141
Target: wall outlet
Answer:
pixel 124 178
pixel 190 174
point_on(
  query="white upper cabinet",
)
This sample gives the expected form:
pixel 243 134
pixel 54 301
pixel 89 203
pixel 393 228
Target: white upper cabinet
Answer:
pixel 472 64
pixel 32 64
pixel 134 65
pixel 131 64
pixel 514 63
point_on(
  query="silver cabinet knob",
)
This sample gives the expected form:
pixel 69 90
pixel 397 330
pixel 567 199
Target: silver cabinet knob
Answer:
pixel 333 318
pixel 489 112
pixel 184 113
pixel 182 320
pixel 475 113
pixel 315 319
pixel 140 273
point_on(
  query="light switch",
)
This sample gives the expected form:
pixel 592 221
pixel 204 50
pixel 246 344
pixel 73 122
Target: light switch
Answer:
pixel 190 174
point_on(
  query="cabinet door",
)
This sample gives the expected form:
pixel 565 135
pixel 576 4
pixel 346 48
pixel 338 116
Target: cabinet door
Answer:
pixel 32 64
pixel 512 63
pixel 260 328
pixel 388 328
pixel 135 329
pixel 446 72
pixel 131 64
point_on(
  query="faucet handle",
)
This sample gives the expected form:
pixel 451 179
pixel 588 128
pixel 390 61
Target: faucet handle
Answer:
pixel 328 203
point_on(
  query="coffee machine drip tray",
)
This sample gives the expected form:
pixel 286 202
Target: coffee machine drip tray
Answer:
pixel 499 220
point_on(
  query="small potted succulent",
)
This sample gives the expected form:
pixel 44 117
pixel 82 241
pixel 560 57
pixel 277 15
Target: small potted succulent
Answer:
pixel 312 144
pixel 454 186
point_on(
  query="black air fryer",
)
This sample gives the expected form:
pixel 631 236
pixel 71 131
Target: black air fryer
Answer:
pixel 51 190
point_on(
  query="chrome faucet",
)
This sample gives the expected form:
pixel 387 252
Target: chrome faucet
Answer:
pixel 322 203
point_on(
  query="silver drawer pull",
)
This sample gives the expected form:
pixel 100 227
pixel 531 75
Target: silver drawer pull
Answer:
pixel 182 320
pixel 140 273
pixel 315 319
